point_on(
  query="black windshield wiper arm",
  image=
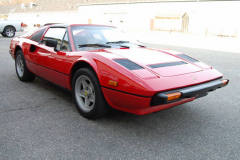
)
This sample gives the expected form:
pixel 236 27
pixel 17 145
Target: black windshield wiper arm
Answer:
pixel 95 44
pixel 140 45
pixel 125 42
pixel 118 42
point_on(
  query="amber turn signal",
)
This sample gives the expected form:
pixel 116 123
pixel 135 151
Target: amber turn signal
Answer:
pixel 172 96
pixel 224 82
pixel 113 83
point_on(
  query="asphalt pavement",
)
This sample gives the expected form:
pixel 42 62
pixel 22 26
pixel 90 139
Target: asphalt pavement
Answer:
pixel 40 121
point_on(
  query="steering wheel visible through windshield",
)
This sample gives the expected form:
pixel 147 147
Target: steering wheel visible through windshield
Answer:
pixel 94 37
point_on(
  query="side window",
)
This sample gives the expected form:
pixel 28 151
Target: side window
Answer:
pixel 55 33
pixel 65 44
pixel 37 36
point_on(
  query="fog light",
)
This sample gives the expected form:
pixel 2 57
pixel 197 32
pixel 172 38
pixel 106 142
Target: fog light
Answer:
pixel 173 96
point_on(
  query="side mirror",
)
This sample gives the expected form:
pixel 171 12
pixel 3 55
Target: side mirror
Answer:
pixel 52 43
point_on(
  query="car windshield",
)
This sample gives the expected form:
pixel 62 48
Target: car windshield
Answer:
pixel 95 37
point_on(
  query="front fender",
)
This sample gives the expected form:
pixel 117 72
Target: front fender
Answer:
pixel 106 69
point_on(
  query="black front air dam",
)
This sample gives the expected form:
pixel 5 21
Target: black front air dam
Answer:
pixel 196 91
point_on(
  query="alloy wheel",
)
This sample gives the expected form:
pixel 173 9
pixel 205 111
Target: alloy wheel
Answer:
pixel 20 66
pixel 85 93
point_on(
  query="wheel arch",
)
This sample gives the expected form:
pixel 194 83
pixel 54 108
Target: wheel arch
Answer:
pixel 9 26
pixel 17 48
pixel 81 64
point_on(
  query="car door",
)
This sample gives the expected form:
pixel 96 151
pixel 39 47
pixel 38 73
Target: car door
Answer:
pixel 52 63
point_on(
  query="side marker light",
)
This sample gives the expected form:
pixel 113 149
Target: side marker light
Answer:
pixel 113 83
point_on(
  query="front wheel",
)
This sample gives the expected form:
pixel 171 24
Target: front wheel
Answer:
pixel 21 68
pixel 88 95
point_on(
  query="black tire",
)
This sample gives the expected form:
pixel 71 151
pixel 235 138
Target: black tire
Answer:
pixel 3 34
pixel 93 110
pixel 21 68
pixel 9 32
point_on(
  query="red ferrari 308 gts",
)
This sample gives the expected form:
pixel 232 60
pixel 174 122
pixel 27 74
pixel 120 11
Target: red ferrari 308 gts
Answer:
pixel 104 69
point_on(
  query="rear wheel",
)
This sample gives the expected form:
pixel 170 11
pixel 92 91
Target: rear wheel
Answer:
pixel 21 68
pixel 88 95
pixel 9 32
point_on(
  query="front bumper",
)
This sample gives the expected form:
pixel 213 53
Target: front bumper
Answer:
pixel 196 91
pixel 21 29
pixel 142 105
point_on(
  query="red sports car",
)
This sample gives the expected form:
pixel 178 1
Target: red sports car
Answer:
pixel 104 69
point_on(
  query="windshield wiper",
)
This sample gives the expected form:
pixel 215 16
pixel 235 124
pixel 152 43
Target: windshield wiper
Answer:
pixel 140 45
pixel 95 44
pixel 126 42
pixel 118 42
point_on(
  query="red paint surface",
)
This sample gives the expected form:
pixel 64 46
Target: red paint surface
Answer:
pixel 135 88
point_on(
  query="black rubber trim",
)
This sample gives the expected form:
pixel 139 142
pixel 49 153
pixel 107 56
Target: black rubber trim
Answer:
pixel 128 64
pixel 196 91
pixel 59 25
pixel 167 64
pixel 126 92
pixel 69 43
pixel 46 67
pixel 187 58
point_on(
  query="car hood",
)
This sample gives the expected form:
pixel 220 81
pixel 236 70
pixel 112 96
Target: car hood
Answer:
pixel 161 63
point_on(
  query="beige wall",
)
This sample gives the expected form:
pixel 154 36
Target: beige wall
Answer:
pixel 3 17
pixel 45 17
pixel 204 17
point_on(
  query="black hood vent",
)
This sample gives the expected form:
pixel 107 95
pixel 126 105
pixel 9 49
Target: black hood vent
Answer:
pixel 187 58
pixel 166 64
pixel 128 64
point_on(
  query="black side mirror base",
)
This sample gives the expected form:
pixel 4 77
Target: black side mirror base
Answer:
pixel 56 50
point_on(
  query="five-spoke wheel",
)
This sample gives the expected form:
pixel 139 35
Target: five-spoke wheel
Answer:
pixel 21 69
pixel 20 65
pixel 88 95
pixel 9 32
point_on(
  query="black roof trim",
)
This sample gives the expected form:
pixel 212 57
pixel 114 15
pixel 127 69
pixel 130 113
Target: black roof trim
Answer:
pixel 58 25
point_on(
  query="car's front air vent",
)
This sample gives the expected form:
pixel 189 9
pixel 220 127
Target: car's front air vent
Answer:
pixel 187 58
pixel 128 64
pixel 166 64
